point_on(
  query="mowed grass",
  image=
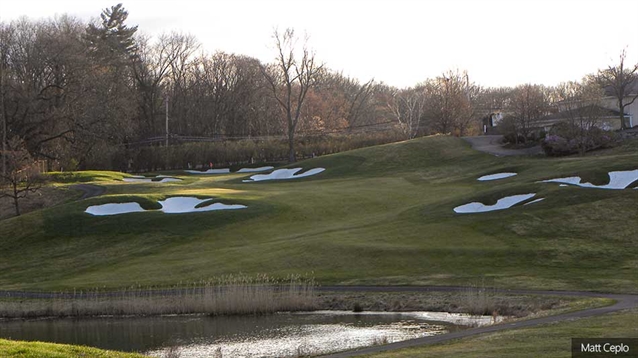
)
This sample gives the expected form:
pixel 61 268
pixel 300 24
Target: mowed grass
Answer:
pixel 22 349
pixel 553 340
pixel 380 215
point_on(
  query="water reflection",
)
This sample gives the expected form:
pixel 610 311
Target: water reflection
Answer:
pixel 277 335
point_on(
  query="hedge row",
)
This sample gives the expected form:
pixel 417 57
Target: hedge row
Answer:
pixel 226 153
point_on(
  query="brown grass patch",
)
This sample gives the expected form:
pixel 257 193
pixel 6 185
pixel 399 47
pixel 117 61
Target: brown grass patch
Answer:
pixel 228 295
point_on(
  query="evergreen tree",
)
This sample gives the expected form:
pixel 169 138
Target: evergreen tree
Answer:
pixel 112 39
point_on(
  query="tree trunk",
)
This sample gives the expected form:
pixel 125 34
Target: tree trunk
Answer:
pixel 291 146
pixel 622 115
pixel 15 199
pixel 15 203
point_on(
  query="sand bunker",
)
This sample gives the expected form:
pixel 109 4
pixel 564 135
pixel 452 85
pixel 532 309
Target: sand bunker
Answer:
pixel 209 171
pixel 114 209
pixel 617 180
pixel 254 170
pixel 503 203
pixel 496 176
pixel 284 174
pixel 227 171
pixel 141 179
pixel 534 201
pixel 176 205
pixel 184 204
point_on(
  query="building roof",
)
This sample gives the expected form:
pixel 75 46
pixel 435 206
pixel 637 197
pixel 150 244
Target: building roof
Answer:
pixel 585 111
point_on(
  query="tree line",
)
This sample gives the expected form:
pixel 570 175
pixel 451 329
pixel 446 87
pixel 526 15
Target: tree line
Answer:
pixel 72 91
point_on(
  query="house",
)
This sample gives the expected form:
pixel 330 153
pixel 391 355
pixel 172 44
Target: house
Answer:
pixel 491 121
pixel 586 116
pixel 606 109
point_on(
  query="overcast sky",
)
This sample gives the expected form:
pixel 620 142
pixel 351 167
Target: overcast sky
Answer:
pixel 400 42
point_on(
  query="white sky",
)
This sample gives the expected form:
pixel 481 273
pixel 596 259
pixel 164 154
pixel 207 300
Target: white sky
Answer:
pixel 399 42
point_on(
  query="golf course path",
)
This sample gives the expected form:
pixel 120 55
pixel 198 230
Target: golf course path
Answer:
pixel 491 144
pixel 89 190
pixel 622 302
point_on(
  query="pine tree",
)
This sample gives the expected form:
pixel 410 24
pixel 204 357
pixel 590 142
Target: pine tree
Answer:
pixel 112 39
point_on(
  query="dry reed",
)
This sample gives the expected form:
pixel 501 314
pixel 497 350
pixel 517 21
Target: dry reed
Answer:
pixel 478 300
pixel 226 295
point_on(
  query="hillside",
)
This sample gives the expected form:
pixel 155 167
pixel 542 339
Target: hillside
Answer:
pixel 380 215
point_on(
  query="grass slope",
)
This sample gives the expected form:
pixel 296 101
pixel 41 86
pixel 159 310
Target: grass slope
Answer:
pixel 377 215
pixel 21 349
pixel 548 341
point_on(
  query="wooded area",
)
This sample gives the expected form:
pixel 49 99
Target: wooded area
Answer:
pixel 102 95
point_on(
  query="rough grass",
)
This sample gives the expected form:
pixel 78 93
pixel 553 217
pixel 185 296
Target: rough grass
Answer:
pixel 21 349
pixel 380 215
pixel 553 340
pixel 46 197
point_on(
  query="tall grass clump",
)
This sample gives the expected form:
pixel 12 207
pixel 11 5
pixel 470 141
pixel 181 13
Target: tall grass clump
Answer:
pixel 478 299
pixel 227 295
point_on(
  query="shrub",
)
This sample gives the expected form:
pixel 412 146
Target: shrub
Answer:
pixel 567 138
pixel 512 134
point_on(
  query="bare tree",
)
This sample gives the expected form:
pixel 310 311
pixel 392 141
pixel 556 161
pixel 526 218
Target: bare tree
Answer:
pixel 226 94
pixel 528 105
pixel 493 99
pixel 48 84
pixel 5 35
pixel 22 175
pixel 407 107
pixel 352 99
pixel 153 69
pixel 451 100
pixel 618 80
pixel 582 111
pixel 290 78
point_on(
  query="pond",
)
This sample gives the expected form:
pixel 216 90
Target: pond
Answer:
pixel 277 335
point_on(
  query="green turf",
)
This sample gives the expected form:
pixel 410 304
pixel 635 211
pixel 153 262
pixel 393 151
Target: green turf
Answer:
pixel 380 215
pixel 84 176
pixel 21 349
pixel 553 340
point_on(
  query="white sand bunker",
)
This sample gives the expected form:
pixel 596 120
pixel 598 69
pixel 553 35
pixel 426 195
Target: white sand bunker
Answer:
pixel 176 205
pixel 142 179
pixel 284 174
pixel 496 176
pixel 209 171
pixel 255 170
pixel 503 203
pixel 227 170
pixel 617 180
pixel 184 204
pixel 534 201
pixel 114 209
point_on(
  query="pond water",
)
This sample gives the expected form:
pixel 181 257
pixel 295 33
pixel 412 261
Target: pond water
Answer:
pixel 277 335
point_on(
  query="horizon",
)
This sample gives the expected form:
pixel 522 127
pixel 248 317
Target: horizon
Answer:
pixel 392 42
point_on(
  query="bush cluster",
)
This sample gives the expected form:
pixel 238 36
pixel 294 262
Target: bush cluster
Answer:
pixel 567 138
pixel 513 135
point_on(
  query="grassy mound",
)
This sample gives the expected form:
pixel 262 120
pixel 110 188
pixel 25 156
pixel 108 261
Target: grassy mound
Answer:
pixel 380 215
pixel 21 349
